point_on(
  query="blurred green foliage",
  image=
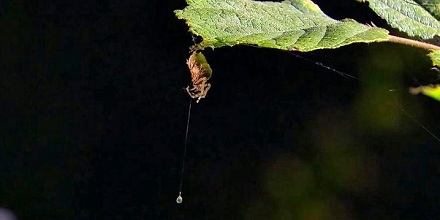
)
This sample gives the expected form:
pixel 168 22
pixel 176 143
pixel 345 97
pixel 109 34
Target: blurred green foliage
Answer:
pixel 343 163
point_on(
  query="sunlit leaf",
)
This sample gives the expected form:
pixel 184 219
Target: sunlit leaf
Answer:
pixel 407 16
pixel 433 6
pixel 435 57
pixel 432 91
pixel 289 25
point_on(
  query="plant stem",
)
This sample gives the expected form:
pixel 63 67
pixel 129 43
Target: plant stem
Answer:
pixel 414 43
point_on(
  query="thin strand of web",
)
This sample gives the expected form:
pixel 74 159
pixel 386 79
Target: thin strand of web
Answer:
pixel 184 152
pixel 348 76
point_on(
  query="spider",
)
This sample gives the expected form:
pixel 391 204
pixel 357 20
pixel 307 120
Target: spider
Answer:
pixel 200 74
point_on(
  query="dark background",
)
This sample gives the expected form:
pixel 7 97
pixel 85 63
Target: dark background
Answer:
pixel 93 116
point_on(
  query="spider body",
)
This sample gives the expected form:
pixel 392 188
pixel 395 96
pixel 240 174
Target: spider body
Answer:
pixel 200 74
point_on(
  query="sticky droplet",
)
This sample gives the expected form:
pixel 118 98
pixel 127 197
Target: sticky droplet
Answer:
pixel 179 199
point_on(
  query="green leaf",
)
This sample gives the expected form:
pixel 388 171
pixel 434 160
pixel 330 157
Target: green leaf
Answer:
pixel 407 16
pixel 435 57
pixel 433 6
pixel 432 91
pixel 289 25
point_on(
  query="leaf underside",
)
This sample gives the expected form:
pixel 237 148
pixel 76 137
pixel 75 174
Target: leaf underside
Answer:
pixel 407 16
pixel 289 25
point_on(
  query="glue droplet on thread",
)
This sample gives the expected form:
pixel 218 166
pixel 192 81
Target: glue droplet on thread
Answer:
pixel 179 199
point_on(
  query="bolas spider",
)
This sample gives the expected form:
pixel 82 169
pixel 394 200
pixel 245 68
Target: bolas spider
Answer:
pixel 200 74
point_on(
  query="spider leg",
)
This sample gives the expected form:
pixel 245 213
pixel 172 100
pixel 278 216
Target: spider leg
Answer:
pixel 205 90
pixel 208 86
pixel 199 90
pixel 193 93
